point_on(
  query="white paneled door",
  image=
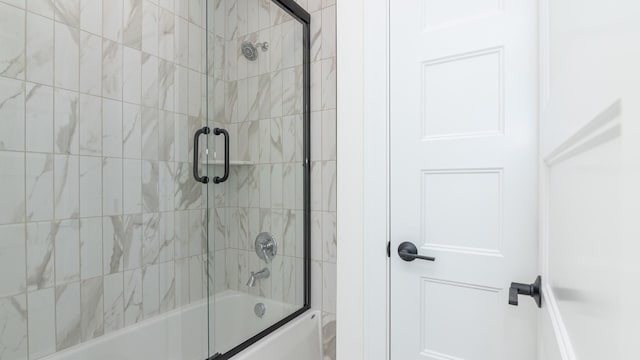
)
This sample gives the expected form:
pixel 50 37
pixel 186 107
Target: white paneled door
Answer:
pixel 463 90
pixel 590 177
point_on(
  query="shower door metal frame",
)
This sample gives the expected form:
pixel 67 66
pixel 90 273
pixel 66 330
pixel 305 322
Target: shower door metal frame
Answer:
pixel 304 18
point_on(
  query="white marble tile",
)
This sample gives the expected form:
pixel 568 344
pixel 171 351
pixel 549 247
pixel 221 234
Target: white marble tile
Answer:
pixel 316 185
pixel 275 48
pixel 329 287
pixel 196 84
pixel 329 84
pixel 112 244
pixel 316 235
pixel 39 186
pixel 12 259
pixel 149 82
pixel 329 336
pixel 289 138
pixel 166 85
pixel 276 140
pixel 112 202
pixel 132 228
pixel 277 278
pixel 67 57
pixel 166 35
pixel 39 112
pixel 278 16
pixel 132 131
pixel 111 128
pixel 90 63
pixel 12 112
pixel 166 136
pixel 165 186
pixel 265 185
pixel 316 86
pixel 132 296
pixel 329 238
pixel 181 102
pixel 188 193
pixel 91 16
pixel 196 39
pixel 67 249
pixel 150 238
pixel 112 19
pixel 289 280
pixel 132 24
pixel 150 134
pixel 132 186
pixel 68 324
pixel 68 12
pixel 91 248
pixel 167 286
pixel 329 135
pixel 288 237
pixel 316 36
pixel 12 207
pixel 181 234
pixel 288 44
pixel 316 139
pixel 66 182
pixel 181 41
pixel 316 284
pixel 329 185
pixel 218 280
pixel 231 269
pixel 197 232
pixel 40 254
pixel 276 186
pixel 150 186
pixel 276 93
pixel 196 278
pixel 182 281
pixel 166 237
pixel 42 323
pixel 112 72
pixel 149 27
pixel 132 69
pixel 113 302
pixel 41 7
pixel 66 121
pixel 92 308
pixel 150 291
pixel 232 19
pixel 289 186
pixel 13 321
pixel 90 125
pixel 90 186
pixel 40 54
pixel 328 32
pixel 12 35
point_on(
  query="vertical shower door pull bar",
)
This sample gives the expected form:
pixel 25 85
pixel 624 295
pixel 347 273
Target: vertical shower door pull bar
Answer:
pixel 196 148
pixel 218 179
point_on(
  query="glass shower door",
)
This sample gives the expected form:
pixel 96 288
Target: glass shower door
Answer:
pixel 258 217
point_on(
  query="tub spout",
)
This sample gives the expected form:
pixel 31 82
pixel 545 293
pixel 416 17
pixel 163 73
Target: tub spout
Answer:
pixel 262 274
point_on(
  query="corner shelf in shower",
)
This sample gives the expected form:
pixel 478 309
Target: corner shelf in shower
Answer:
pixel 231 163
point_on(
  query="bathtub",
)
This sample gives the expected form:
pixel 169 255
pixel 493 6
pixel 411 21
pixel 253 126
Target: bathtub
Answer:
pixel 182 334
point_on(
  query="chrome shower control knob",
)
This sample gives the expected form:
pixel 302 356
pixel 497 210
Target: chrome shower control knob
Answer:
pixel 266 246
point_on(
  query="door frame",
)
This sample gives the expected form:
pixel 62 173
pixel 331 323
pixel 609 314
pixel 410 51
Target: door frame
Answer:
pixel 363 174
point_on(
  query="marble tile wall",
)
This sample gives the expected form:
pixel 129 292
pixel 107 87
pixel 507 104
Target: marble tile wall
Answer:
pixel 260 103
pixel 101 224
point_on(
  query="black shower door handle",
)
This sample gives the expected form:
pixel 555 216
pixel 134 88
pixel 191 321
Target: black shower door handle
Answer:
pixel 196 149
pixel 218 179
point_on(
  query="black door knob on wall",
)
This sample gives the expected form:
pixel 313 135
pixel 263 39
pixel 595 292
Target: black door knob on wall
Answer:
pixel 532 290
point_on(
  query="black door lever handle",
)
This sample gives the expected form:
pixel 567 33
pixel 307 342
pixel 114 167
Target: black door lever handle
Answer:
pixel 409 252
pixel 532 290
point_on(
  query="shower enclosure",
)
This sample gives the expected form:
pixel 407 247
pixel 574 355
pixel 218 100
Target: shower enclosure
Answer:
pixel 154 177
pixel 256 170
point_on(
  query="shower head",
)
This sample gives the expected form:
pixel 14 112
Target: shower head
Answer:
pixel 250 51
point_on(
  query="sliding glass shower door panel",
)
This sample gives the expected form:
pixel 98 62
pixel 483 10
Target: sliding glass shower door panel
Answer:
pixel 258 92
